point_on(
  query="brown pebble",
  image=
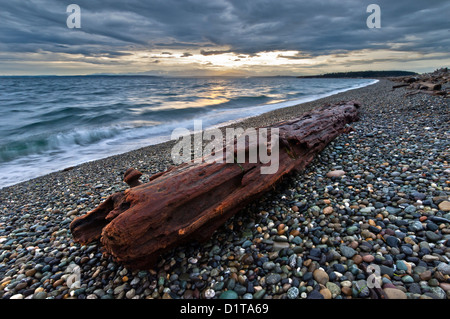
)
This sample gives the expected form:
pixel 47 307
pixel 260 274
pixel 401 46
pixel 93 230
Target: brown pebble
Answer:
pixel 295 232
pixel 58 282
pixel 325 292
pixel 336 173
pixel 368 258
pixel 426 275
pixel 439 276
pixel 321 276
pixel 354 244
pixel 445 286
pixel 166 296
pixel 393 293
pixel 444 206
pixel 346 291
pixel 30 272
pixel 357 259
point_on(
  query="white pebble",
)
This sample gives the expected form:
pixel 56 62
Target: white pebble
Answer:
pixel 210 293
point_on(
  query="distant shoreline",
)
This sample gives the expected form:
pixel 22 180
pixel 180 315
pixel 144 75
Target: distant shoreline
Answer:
pixel 352 74
pixel 359 74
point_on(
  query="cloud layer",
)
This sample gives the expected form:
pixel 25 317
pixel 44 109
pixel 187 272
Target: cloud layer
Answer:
pixel 111 30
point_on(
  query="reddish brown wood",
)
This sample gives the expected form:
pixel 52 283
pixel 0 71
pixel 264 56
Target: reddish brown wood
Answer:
pixel 190 201
pixel 427 83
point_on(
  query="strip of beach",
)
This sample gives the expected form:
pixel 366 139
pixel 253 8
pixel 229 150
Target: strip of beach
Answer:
pixel 312 237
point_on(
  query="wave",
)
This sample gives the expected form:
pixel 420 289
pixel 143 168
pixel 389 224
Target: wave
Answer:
pixel 73 135
pixel 60 141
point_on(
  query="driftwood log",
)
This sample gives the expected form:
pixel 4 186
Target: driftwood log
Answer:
pixel 190 201
pixel 428 83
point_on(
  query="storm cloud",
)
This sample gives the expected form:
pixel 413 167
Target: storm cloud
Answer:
pixel 243 27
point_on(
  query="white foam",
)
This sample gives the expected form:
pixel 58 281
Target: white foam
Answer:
pixel 82 145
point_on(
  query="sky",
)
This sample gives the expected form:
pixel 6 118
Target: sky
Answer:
pixel 222 37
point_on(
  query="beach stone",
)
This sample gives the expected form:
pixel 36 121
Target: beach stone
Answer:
pixel 368 258
pixel 414 288
pixel 30 272
pixel 328 210
pixel 410 209
pixel 444 206
pixel 247 243
pixel 292 261
pixel 432 226
pixel 392 241
pixel 433 282
pixel 268 265
pixel 259 294
pixel 425 275
pixel 240 289
pixel 357 259
pixel 40 295
pixel 247 259
pixel 392 210
pixel 385 270
pixel 439 220
pixel 307 276
pixel 415 226
pixel 321 276
pixel 347 291
pixel 336 173
pixel 334 289
pixel 347 251
pixel 444 268
pixel 366 210
pixel 340 268
pixel 314 294
pixel 438 292
pixel 445 286
pixel 229 294
pixel 401 265
pixel 418 196
pixel 407 250
pixel 432 236
pixel 362 288
pixel 368 234
pixel 394 293
pixel 352 229
pixel 326 293
pixel 292 293
pixel 279 245
pixel 407 279
pixel 247 296
pixel 231 284
pixel 273 279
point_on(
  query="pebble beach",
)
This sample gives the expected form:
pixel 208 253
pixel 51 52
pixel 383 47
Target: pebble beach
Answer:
pixel 377 198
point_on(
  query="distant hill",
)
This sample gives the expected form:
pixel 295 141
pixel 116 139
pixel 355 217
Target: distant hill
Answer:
pixel 360 74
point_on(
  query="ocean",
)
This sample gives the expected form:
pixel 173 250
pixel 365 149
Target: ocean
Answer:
pixel 49 123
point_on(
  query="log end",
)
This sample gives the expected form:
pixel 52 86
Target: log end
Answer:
pixel 131 177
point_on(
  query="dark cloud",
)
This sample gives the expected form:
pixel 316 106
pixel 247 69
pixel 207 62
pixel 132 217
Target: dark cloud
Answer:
pixel 241 26
pixel 214 52
pixel 297 56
